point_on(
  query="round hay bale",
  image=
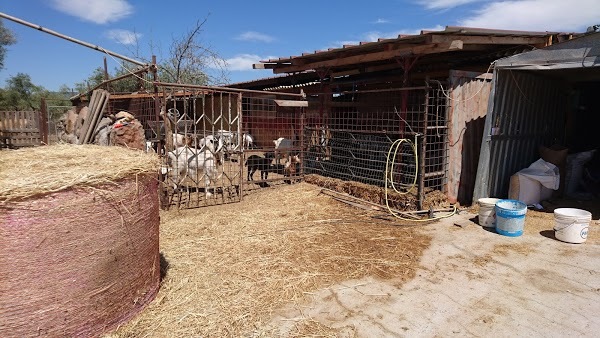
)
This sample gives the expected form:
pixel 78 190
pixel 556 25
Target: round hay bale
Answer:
pixel 79 239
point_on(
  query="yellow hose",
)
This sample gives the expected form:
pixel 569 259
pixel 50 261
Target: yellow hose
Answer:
pixel 389 170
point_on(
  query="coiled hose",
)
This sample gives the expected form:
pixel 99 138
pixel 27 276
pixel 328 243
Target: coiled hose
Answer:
pixel 389 178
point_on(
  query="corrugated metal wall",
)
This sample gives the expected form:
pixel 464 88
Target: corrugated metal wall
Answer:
pixel 529 110
pixel 468 101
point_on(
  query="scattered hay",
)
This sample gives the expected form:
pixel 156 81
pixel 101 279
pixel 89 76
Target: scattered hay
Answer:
pixel 233 267
pixel 375 194
pixel 505 249
pixel 481 261
pixel 34 171
pixel 312 328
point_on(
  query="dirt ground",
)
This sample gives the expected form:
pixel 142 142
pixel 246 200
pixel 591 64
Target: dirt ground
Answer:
pixel 474 282
pixel 288 261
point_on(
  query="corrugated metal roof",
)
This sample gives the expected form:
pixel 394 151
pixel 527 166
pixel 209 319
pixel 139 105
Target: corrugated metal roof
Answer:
pixel 579 52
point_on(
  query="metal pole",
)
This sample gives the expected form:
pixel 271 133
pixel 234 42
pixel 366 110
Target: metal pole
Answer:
pixel 242 157
pixel 149 68
pixel 68 38
pixel 422 160
pixel 303 146
pixel 226 89
pixel 160 143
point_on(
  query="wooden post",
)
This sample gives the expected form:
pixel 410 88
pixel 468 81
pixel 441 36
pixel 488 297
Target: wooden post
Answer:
pixel 43 124
pixel 168 126
pixel 107 87
pixel 163 193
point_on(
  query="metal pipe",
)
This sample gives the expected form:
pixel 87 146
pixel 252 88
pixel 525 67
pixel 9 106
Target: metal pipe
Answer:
pixel 146 69
pixel 241 138
pixel 422 156
pixel 62 36
pixel 225 89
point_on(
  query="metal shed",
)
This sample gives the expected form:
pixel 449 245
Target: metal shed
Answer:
pixel 364 97
pixel 542 97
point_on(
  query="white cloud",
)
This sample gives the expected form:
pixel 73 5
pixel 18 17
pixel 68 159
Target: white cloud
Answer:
pixel 99 12
pixel 445 4
pixel 123 37
pixel 255 36
pixel 381 21
pixel 537 15
pixel 244 61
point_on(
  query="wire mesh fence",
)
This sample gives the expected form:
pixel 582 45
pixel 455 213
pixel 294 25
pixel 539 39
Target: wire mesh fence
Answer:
pixel 217 139
pixel 368 135
pixel 218 143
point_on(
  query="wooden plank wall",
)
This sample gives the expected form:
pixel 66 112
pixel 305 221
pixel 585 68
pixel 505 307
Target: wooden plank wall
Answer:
pixel 20 129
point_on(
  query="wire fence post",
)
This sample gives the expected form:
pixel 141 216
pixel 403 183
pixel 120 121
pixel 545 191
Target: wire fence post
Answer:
pixel 423 152
pixel 241 141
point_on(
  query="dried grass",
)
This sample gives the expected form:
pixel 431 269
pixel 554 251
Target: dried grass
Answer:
pixel 519 248
pixel 34 171
pixel 233 267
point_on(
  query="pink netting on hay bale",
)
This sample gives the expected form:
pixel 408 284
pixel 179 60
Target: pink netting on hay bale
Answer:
pixel 78 262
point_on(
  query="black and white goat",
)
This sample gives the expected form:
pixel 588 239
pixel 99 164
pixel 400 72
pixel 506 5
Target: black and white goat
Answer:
pixel 255 162
pixel 282 147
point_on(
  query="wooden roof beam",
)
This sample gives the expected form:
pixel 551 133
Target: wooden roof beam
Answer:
pixel 490 40
pixel 372 57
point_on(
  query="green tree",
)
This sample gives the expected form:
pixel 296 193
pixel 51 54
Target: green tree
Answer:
pixel 6 38
pixel 21 94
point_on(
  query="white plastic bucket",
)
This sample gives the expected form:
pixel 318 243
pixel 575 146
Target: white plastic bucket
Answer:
pixel 487 212
pixel 510 217
pixel 571 225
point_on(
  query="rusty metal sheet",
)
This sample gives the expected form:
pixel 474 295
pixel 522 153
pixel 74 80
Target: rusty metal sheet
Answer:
pixel 468 100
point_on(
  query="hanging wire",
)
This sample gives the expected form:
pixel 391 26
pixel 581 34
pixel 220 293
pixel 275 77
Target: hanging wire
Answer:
pixel 446 93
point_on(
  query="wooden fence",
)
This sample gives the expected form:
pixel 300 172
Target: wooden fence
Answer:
pixel 23 129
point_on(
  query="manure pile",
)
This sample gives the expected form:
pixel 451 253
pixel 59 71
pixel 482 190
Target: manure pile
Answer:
pixel 375 194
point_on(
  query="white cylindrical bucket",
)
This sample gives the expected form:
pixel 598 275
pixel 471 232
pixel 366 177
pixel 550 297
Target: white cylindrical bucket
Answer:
pixel 487 212
pixel 571 225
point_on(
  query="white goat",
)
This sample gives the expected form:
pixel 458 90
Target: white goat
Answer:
pixel 282 145
pixel 247 141
pixel 230 139
pixel 180 140
pixel 212 143
pixel 189 162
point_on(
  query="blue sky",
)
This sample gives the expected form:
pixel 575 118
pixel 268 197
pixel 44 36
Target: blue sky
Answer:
pixel 244 32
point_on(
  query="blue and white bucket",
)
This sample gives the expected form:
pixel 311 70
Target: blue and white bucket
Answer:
pixel 510 217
